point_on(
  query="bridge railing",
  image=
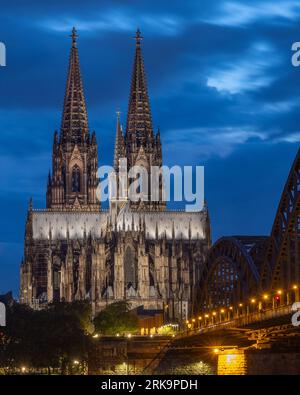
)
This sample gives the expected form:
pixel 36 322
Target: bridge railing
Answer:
pixel 241 320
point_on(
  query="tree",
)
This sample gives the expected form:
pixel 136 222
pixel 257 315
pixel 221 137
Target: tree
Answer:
pixel 116 318
pixel 49 338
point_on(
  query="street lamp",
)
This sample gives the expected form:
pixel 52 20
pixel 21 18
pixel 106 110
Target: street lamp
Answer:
pixel 206 316
pixel 199 321
pixel 296 292
pixel 213 317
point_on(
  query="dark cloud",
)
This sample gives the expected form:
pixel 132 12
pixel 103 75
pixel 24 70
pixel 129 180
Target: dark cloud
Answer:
pixel 222 88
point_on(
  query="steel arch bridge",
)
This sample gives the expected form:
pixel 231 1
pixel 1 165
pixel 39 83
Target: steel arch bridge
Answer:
pixel 239 267
pixel 230 273
pixel 282 260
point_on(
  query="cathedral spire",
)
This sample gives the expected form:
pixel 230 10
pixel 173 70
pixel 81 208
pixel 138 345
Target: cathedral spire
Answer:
pixel 139 122
pixel 74 126
pixel 119 143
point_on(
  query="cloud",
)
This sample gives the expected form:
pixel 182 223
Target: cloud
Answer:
pixel 280 107
pixel 250 73
pixel 117 21
pixel 289 138
pixel 239 14
pixel 208 142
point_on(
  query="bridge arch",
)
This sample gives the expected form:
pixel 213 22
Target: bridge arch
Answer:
pixel 230 275
pixel 281 266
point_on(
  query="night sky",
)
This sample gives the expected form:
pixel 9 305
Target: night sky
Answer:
pixel 222 88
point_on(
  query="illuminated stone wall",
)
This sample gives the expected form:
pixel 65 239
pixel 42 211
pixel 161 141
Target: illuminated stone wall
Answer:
pixel 257 362
pixel 232 362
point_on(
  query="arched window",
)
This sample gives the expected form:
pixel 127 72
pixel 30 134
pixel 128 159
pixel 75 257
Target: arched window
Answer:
pixel 130 268
pixel 76 179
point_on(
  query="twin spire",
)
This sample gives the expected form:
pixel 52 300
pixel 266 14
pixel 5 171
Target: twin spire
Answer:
pixel 74 125
pixel 139 123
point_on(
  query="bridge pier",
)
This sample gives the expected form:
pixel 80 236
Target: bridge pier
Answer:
pixel 258 362
pixel 232 362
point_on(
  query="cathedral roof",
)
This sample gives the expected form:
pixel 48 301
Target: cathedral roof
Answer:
pixel 156 225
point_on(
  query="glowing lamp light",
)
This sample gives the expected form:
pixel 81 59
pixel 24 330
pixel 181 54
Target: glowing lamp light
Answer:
pixel 23 369
pixel 214 313
pixel 118 334
pixel 279 292
pixel 241 304
pixel 206 316
pixel 230 308
pixel 95 336
pixel 295 286
pixel 253 300
pixel 222 311
pixel 193 320
pixel 129 335
pixel 187 321
pixel 266 297
pixel 76 362
pixel 216 350
pixel 200 318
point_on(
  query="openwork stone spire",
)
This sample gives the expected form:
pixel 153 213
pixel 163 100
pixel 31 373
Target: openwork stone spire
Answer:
pixel 73 182
pixel 139 123
pixel 74 126
pixel 119 143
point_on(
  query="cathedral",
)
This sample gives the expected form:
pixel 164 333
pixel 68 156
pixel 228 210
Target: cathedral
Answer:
pixel 138 251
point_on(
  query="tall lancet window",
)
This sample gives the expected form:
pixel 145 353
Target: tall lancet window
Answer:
pixel 76 179
pixel 130 269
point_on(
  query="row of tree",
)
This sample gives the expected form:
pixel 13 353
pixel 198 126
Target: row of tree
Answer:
pixel 59 336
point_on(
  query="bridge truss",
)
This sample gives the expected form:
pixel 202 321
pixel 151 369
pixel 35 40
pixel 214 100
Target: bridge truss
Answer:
pixel 230 273
pixel 239 267
pixel 282 260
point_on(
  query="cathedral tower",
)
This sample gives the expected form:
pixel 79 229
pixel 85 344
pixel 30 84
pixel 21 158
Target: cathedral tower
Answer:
pixel 137 251
pixel 73 182
pixel 142 146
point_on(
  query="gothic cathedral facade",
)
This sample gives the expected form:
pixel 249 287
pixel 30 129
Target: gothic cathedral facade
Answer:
pixel 140 251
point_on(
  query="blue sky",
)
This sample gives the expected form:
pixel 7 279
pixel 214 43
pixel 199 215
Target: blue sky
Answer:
pixel 222 88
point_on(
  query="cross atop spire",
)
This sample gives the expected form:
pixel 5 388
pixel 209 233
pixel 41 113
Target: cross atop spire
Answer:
pixel 74 126
pixel 74 37
pixel 138 37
